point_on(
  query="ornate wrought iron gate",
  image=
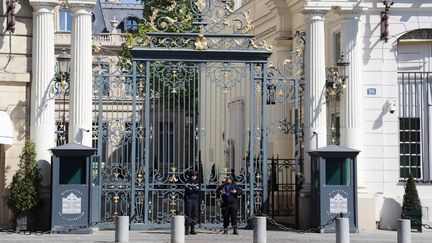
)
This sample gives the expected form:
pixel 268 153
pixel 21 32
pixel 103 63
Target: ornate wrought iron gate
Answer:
pixel 189 101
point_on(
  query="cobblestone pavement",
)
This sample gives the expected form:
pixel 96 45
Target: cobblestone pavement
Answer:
pixel 212 237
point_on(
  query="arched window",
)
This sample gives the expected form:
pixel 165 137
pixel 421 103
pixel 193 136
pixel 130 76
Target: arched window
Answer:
pixel 420 34
pixel 131 24
pixel 414 59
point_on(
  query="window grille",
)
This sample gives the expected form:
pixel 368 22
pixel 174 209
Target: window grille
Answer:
pixel 414 126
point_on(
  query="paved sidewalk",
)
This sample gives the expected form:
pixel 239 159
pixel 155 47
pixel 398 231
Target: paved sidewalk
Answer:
pixel 163 236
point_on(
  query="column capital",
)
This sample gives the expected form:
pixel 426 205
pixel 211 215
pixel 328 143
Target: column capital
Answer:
pixel 43 4
pixel 317 14
pixel 81 4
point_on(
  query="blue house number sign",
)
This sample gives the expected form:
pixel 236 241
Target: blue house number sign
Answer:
pixel 371 91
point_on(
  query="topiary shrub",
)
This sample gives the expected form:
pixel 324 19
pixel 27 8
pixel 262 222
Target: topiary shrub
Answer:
pixel 25 197
pixel 411 206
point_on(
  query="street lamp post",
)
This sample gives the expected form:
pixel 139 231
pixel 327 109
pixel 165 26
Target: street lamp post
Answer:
pixel 62 84
pixel 336 82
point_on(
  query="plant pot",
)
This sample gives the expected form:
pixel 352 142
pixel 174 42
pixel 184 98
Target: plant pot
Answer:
pixel 25 222
pixel 416 220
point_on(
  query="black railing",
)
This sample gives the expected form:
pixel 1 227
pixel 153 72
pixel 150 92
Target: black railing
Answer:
pixel 283 188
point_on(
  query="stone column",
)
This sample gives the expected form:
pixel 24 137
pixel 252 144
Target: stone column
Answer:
pixel 315 127
pixel 350 106
pixel 315 124
pixel 42 116
pixel 80 123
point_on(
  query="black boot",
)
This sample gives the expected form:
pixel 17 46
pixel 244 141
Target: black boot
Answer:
pixel 187 230
pixel 193 232
pixel 225 231
pixel 235 231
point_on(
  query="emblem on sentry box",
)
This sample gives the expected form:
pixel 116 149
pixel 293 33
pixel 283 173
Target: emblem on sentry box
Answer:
pixel 339 204
pixel 71 204
pixel 71 209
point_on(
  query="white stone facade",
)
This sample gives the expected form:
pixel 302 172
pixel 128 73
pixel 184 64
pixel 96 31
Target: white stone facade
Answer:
pixel 366 121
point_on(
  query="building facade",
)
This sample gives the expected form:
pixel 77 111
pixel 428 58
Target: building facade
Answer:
pixel 385 101
pixel 383 109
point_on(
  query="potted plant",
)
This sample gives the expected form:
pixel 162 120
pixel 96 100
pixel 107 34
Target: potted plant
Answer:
pixel 411 207
pixel 25 196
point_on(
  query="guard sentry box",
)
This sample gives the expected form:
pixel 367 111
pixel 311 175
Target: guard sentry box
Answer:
pixel 334 186
pixel 71 188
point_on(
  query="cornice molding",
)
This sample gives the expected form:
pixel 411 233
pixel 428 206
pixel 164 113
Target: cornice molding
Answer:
pixel 314 12
pixel 349 14
pixel 43 4
pixel 81 4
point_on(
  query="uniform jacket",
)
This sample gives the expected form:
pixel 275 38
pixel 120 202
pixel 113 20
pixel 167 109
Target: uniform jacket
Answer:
pixel 229 198
pixel 192 189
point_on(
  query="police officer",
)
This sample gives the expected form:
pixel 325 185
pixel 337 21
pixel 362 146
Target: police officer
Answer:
pixel 229 192
pixel 192 190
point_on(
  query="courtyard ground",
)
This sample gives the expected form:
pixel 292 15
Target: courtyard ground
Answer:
pixel 163 236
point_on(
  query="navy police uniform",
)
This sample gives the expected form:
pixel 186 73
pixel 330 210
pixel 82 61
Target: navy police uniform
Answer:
pixel 192 190
pixel 229 193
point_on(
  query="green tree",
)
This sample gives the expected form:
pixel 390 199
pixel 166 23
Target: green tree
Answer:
pixel 25 196
pixel 170 16
pixel 411 201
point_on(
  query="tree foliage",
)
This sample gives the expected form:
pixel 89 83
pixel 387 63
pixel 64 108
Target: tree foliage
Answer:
pixel 411 201
pixel 25 195
pixel 171 16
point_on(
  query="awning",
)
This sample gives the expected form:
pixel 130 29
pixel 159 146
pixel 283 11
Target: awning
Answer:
pixel 5 128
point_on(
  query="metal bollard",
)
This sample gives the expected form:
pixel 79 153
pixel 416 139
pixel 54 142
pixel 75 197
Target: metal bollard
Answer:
pixel 404 231
pixel 342 230
pixel 260 230
pixel 122 229
pixel 177 229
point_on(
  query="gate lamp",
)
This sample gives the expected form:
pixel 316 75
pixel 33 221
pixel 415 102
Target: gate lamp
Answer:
pixel 343 63
pixel 335 84
pixel 63 61
pixel 61 81
pixel 62 77
pixel 337 78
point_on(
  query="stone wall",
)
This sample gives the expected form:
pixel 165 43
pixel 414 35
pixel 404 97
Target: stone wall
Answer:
pixel 15 68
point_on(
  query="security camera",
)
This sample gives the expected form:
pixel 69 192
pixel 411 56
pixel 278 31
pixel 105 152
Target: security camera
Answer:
pixel 84 130
pixel 392 106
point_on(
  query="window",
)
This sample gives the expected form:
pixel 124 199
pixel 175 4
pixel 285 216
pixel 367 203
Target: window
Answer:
pixel 65 20
pixel 414 101
pixel 72 171
pixel 131 25
pixel 338 172
pixel 337 46
pixel 410 147
pixel 415 90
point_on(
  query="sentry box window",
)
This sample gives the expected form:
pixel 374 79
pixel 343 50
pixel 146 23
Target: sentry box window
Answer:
pixel 72 171
pixel 338 171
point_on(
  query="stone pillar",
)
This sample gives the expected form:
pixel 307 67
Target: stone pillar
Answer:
pixel 315 124
pixel 350 106
pixel 80 123
pixel 42 113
